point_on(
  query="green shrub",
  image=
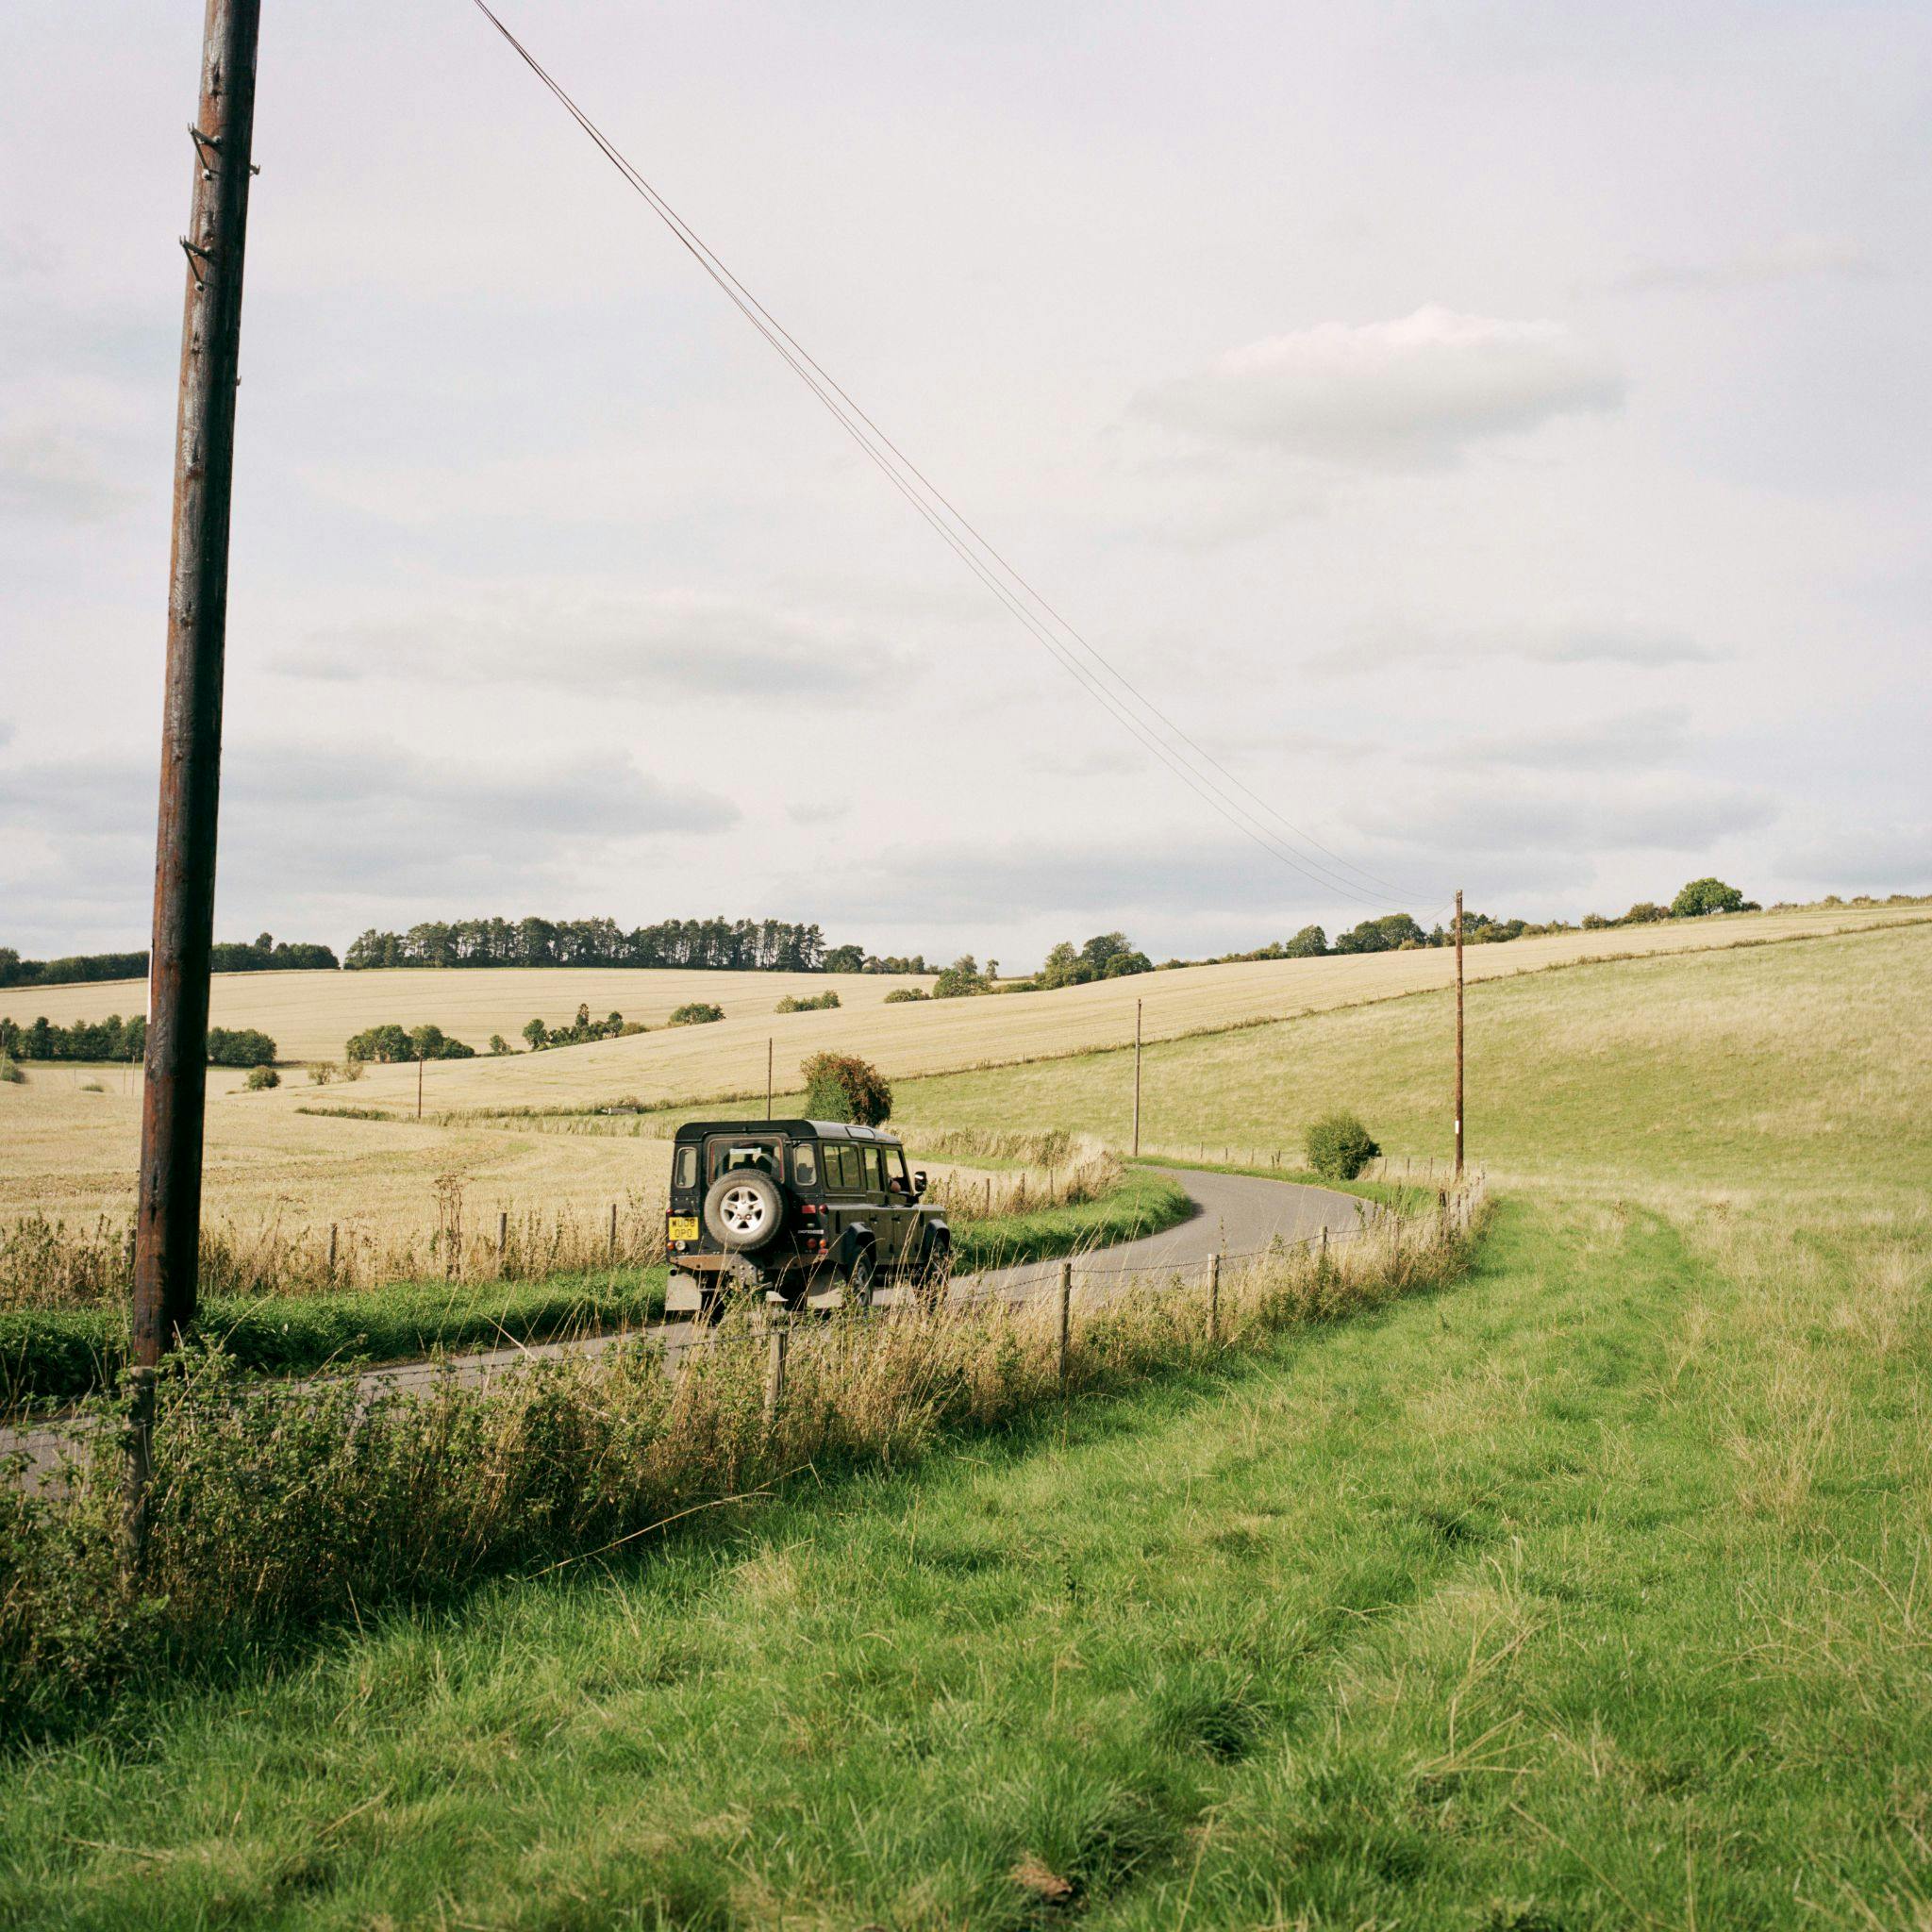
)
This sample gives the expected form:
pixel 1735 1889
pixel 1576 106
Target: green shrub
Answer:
pixel 1706 895
pixel 1338 1146
pixel 261 1079
pixel 842 1087
pixel 240 1047
pixel 900 994
pixel 696 1013
pixel 11 1073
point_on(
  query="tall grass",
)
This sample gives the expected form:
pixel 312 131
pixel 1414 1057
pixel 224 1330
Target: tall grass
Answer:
pixel 275 1509
pixel 49 1263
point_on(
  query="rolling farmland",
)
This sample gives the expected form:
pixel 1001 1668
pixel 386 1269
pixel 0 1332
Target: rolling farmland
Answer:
pixel 308 1015
pixel 728 1058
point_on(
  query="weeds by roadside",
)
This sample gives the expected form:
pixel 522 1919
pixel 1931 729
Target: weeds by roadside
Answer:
pixel 276 1512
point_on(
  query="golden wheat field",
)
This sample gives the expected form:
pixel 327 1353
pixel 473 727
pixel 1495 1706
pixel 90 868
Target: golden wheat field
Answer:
pixel 310 1015
pixel 69 1153
pixel 728 1056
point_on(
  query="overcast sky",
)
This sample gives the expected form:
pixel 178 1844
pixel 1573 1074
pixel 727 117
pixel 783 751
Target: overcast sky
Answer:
pixel 1498 433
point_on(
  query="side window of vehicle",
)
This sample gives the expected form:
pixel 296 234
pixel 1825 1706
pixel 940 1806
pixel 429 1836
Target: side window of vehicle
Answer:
pixel 804 1164
pixel 874 1170
pixel 897 1178
pixel 687 1175
pixel 839 1166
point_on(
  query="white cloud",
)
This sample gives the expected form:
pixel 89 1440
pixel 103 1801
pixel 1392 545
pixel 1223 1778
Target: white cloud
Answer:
pixel 1895 857
pixel 1792 258
pixel 656 646
pixel 45 473
pixel 1409 394
pixel 1511 815
pixel 1636 739
pixel 1637 646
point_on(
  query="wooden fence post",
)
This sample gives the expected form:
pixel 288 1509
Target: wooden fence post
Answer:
pixel 502 1238
pixel 1214 1301
pixel 1066 1301
pixel 613 1234
pixel 775 1369
pixel 331 1251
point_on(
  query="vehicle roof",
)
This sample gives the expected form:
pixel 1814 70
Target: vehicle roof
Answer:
pixel 796 1130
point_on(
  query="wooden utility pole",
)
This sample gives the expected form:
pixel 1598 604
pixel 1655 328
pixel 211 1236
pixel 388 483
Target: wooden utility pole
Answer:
pixel 1459 1035
pixel 1137 1078
pixel 175 1096
pixel 771 1046
pixel 418 1086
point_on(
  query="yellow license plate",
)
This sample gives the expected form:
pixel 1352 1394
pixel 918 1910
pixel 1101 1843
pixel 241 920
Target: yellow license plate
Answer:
pixel 682 1227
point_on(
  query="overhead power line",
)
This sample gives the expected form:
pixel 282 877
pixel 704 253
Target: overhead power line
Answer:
pixel 1083 662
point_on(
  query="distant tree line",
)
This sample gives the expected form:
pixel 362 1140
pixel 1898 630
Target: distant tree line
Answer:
pixel 724 945
pixel 115 1039
pixel 260 954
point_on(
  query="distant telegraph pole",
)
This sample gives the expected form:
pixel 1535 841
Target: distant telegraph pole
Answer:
pixel 1459 1035
pixel 771 1046
pixel 1137 1078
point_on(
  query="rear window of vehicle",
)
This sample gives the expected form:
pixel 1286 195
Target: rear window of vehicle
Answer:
pixel 687 1172
pixel 723 1155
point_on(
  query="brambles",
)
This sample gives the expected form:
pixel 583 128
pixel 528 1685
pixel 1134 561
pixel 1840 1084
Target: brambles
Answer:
pixel 842 1087
pixel 900 996
pixel 261 1079
pixel 825 1003
pixel 1340 1146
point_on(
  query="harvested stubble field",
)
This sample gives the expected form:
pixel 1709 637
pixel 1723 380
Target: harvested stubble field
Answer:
pixel 728 1058
pixel 1588 1594
pixel 308 1015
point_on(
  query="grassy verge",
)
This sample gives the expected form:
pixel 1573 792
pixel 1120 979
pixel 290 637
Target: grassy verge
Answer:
pixel 1614 1620
pixel 278 1510
pixel 1403 1196
pixel 1143 1203
pixel 63 1354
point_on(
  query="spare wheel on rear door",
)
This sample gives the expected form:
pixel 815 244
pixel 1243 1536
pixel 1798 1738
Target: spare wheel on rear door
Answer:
pixel 743 1210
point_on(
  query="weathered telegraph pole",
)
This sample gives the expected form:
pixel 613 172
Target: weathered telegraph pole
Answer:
pixel 1459 1035
pixel 168 1220
pixel 1137 1079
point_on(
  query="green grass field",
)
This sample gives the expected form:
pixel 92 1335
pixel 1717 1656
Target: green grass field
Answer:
pixel 1589 1594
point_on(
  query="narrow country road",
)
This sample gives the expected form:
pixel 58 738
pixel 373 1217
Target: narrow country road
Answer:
pixel 1234 1215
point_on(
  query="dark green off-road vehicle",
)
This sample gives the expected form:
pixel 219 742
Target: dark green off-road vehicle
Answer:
pixel 812 1213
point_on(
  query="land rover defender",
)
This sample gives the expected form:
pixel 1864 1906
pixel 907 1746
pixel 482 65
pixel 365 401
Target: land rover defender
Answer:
pixel 815 1213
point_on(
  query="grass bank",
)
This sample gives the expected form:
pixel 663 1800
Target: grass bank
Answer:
pixel 279 1511
pixel 1586 1597
pixel 1141 1203
pixel 1403 1196
pixel 63 1354
pixel 60 1355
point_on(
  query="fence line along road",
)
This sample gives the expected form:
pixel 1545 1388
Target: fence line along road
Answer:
pixel 1236 1218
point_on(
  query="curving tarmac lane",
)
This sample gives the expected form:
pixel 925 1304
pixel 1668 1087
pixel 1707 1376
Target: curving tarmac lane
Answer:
pixel 1235 1216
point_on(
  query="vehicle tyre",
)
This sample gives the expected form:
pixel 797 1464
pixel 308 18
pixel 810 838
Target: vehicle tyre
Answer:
pixel 743 1210
pixel 935 1272
pixel 861 1272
